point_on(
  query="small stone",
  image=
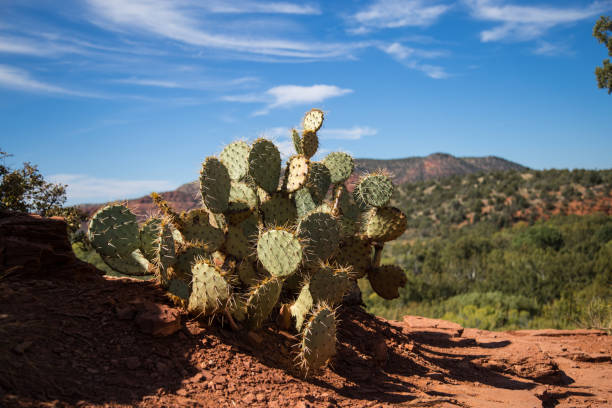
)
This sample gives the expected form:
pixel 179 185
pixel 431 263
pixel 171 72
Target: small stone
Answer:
pixel 181 392
pixel 219 379
pixel 159 320
pixel 260 397
pixel 249 398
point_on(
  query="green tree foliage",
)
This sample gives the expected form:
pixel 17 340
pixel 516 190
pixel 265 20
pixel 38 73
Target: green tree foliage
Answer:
pixel 600 32
pixel 25 190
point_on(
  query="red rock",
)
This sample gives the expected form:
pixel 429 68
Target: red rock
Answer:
pixel 158 320
pixel 417 322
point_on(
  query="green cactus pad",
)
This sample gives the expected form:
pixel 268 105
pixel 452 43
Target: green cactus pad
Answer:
pixel 261 300
pixel 241 192
pixel 135 264
pixel 340 165
pixel 297 141
pixel 180 289
pixel 309 143
pixel 209 290
pixel 313 120
pixel 265 164
pixel 386 281
pixel 303 202
pixel 214 185
pixel 279 251
pixel 186 256
pixel 247 273
pixel 375 190
pixel 278 210
pixel 235 156
pixel 325 285
pixel 319 180
pixel 165 252
pixel 113 231
pixel 385 224
pixel 318 343
pixel 355 253
pixel 149 237
pixel 236 242
pixel 195 227
pixel 320 233
pixel 297 172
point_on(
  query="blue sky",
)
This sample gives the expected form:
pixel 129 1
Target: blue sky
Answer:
pixel 121 97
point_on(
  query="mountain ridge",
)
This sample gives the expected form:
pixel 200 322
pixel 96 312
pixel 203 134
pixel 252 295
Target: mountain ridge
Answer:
pixel 402 171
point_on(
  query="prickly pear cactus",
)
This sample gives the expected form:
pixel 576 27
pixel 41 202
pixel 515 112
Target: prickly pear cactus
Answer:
pixel 266 248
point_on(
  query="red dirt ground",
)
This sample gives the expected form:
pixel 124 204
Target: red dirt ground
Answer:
pixel 69 343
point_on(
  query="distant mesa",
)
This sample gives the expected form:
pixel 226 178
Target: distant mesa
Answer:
pixel 407 170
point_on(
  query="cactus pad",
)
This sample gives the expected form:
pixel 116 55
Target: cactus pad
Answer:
pixel 279 251
pixel 355 253
pixel 278 210
pixel 236 242
pixel 318 343
pixel 319 179
pixel 265 164
pixel 261 300
pixel 135 264
pixel 375 190
pixel 320 233
pixel 247 273
pixel 209 291
pixel 214 185
pixel 297 141
pixel 313 120
pixel 386 281
pixel 149 237
pixel 195 227
pixel 235 156
pixel 180 289
pixel 303 202
pixel 340 165
pixel 298 172
pixel 165 253
pixel 309 143
pixel 113 231
pixel 385 224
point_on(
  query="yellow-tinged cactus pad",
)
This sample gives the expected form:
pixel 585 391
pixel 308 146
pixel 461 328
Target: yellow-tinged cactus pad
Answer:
pixel 385 224
pixel 309 143
pixel 261 300
pixel 318 343
pixel 214 185
pixel 265 164
pixel 313 120
pixel 195 227
pixel 355 253
pixel 113 231
pixel 386 281
pixel 280 252
pixel 209 290
pixel 235 156
pixel 340 165
pixel 298 172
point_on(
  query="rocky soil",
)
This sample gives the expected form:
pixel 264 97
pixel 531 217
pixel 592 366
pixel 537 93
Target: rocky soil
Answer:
pixel 74 338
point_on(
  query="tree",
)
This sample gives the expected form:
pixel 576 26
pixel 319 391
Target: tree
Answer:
pixel 600 31
pixel 25 190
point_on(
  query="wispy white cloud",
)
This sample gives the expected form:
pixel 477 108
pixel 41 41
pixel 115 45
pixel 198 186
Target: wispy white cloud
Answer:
pixel 179 21
pixel 523 23
pixel 192 84
pixel 549 49
pixel 354 133
pixel 411 58
pixel 290 95
pixel 87 189
pixel 259 7
pixel 19 79
pixel 397 13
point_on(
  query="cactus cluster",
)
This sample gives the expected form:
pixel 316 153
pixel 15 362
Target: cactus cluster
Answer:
pixel 266 243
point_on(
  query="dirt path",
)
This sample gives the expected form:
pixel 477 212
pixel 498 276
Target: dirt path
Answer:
pixel 89 343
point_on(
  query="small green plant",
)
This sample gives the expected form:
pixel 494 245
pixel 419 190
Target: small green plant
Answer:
pixel 266 241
